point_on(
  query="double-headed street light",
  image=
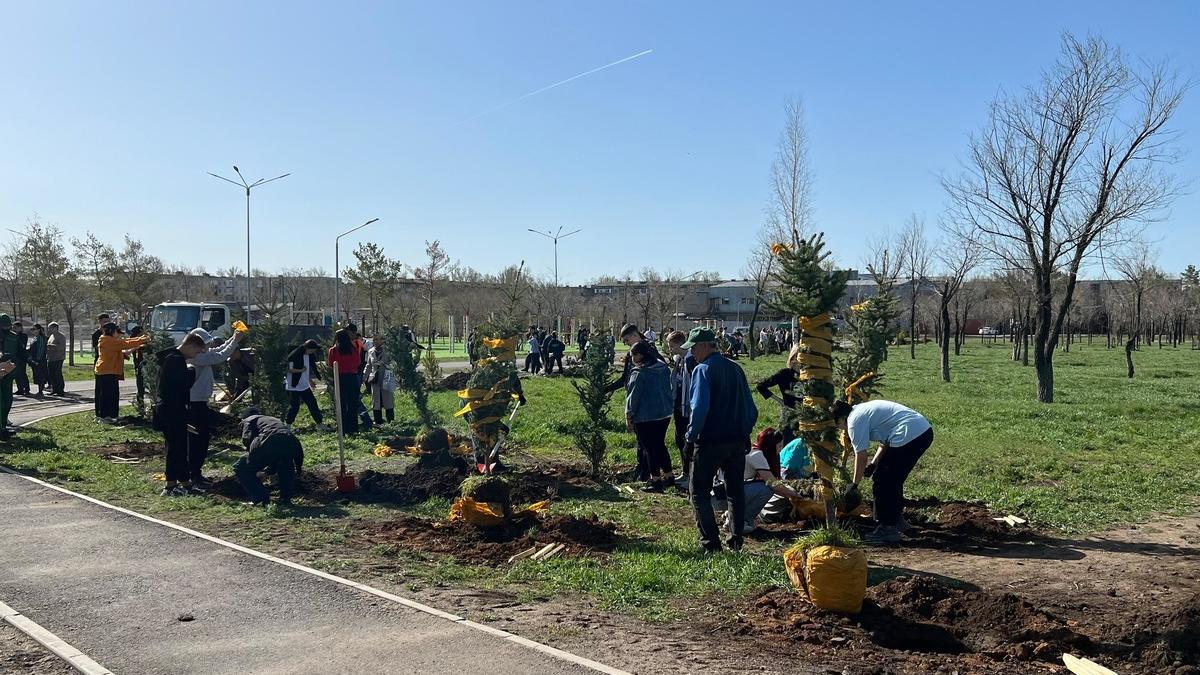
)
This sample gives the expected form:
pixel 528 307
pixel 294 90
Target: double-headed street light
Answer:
pixel 337 270
pixel 241 182
pixel 555 236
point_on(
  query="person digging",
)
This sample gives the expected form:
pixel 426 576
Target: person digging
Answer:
pixel 904 435
pixel 272 448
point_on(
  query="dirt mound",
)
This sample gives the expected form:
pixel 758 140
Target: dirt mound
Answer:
pixel 1162 639
pixel 535 483
pixel 949 524
pixel 455 381
pixel 130 450
pixel 493 546
pixel 922 615
pixel 417 484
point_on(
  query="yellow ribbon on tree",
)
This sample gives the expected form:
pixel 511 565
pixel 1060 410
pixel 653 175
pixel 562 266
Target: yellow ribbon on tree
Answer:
pixel 816 426
pixel 814 373
pixel 817 326
pixel 818 360
pixel 852 389
pixel 816 402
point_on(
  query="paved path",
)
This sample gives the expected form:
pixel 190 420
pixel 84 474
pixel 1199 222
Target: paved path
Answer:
pixel 115 586
pixel 78 399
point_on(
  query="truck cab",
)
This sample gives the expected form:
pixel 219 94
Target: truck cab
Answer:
pixel 180 318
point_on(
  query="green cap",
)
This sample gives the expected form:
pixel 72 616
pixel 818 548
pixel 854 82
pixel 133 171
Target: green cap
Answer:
pixel 5 321
pixel 699 334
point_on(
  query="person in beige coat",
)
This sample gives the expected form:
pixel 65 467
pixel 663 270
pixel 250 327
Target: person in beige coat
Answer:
pixel 56 353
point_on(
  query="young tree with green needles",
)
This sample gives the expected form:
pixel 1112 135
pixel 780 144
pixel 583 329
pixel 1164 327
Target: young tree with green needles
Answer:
pixel 594 395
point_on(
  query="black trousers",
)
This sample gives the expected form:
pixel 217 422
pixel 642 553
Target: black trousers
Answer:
pixel 685 449
pixel 40 374
pixel 199 420
pixel 351 401
pixel 652 444
pixel 309 399
pixel 22 378
pixel 175 436
pixel 57 385
pixel 890 473
pixel 108 398
pixel 730 458
pixel 551 360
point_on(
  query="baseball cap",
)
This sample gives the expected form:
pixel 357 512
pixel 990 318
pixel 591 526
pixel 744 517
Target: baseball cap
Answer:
pixel 699 334
pixel 627 329
pixel 202 334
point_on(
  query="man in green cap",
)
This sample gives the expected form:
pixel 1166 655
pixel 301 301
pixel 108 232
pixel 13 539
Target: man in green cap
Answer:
pixel 10 348
pixel 723 415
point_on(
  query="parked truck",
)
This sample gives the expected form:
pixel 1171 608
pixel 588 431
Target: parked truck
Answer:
pixel 179 318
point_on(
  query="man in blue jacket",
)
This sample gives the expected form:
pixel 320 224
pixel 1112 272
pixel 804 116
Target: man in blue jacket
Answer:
pixel 723 415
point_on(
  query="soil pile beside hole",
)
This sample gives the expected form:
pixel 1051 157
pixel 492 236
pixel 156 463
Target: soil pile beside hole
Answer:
pixel 919 614
pixel 455 381
pixel 547 482
pixel 1160 639
pixel 131 450
pixel 417 484
pixel 401 442
pixel 938 523
pixel 590 533
pixel 492 545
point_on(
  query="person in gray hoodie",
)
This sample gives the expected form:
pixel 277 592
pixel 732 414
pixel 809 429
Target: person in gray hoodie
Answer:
pixel 199 414
pixel 648 406
pixel 56 353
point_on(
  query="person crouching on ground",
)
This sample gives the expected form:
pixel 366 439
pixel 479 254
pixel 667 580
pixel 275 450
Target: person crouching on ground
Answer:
pixel 175 380
pixel 199 414
pixel 723 415
pixel 648 414
pixel 759 484
pixel 110 369
pixel 271 447
pixel 904 435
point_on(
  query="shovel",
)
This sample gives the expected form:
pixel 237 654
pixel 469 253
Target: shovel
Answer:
pixel 345 481
pixel 228 408
pixel 494 455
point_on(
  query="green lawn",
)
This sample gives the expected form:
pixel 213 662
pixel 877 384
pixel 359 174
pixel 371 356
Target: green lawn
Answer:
pixel 1110 451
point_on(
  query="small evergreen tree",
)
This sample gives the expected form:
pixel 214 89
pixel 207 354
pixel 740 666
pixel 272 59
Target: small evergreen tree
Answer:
pixel 594 397
pixel 408 378
pixel 433 369
pixel 267 382
pixel 150 370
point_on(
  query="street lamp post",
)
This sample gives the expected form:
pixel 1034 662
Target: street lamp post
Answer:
pixel 337 270
pixel 555 236
pixel 241 182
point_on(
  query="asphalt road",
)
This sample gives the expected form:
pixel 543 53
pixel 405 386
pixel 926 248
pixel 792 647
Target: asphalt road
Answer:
pixel 115 587
pixel 78 399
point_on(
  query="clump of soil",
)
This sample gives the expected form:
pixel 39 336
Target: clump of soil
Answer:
pixel 494 545
pixel 130 450
pixel 535 483
pixel 1162 639
pixel 455 381
pixel 417 484
pixel 919 614
pixel 951 524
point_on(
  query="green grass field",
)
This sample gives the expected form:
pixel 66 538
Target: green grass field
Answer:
pixel 1111 451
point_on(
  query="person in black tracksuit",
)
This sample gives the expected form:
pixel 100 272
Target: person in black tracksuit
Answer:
pixel 175 380
pixel 554 353
pixel 22 359
pixel 784 379
pixel 271 447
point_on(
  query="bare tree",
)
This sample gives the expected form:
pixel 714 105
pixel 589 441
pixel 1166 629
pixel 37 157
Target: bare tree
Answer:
pixel 431 275
pixel 958 257
pixel 913 248
pixel 1136 265
pixel 1065 165
pixel 57 284
pixel 758 269
pixel 135 277
pixel 789 212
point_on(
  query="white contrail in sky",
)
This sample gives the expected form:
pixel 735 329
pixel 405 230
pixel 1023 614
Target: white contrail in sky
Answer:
pixel 551 86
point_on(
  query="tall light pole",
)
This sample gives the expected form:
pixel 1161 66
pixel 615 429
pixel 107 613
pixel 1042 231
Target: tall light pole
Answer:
pixel 337 270
pixel 693 275
pixel 555 236
pixel 241 182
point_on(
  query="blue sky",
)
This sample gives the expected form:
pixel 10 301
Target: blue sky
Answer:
pixel 113 112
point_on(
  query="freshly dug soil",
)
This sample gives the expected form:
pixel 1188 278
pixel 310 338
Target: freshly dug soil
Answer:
pixel 535 483
pixel 455 381
pixel 494 546
pixel 131 450
pixel 417 484
pixel 922 623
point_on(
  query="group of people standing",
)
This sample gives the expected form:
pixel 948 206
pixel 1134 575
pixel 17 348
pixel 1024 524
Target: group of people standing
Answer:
pixel 710 401
pixel 545 351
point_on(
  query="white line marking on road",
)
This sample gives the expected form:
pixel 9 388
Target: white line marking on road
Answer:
pixel 411 604
pixel 75 658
